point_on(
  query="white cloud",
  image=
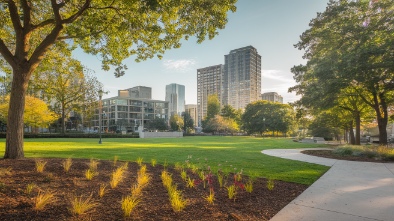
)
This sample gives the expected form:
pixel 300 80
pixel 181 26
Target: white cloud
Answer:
pixel 278 81
pixel 277 75
pixel 179 65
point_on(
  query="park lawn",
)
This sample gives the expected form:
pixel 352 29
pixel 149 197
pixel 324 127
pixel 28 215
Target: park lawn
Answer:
pixel 231 154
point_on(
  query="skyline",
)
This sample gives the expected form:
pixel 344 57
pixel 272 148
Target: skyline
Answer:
pixel 271 27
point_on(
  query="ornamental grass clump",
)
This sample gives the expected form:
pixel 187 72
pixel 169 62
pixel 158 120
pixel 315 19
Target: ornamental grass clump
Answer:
pixel 43 199
pixel 249 186
pixel 40 165
pixel 153 162
pixel 30 187
pixel 211 197
pixel 128 205
pixel 139 161
pixel 89 174
pixel 270 184
pixel 81 205
pixel 190 182
pixel 231 192
pixel 118 175
pixel 67 164
pixel 177 201
pixel 115 160
pixel 93 164
pixel 102 190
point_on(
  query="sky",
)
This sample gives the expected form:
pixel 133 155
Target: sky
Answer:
pixel 271 26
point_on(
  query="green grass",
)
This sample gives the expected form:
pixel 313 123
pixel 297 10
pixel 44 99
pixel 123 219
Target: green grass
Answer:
pixel 228 152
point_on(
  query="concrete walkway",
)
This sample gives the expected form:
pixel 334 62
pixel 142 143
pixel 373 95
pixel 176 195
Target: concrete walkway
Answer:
pixel 349 191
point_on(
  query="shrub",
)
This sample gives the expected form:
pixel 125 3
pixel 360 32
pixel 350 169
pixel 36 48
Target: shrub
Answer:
pixel 139 161
pixel 118 175
pixel 93 164
pixel 153 162
pixel 211 197
pixel 89 174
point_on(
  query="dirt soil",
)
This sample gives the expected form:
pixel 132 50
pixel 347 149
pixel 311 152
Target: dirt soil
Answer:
pixel 16 204
pixel 332 155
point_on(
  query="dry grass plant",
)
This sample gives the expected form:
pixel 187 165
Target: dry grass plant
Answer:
pixel 177 201
pixel 128 205
pixel 270 184
pixel 118 175
pixel 211 197
pixel 40 165
pixel 90 174
pixel 249 186
pixel 93 164
pixel 81 205
pixel 153 162
pixel 67 164
pixel 139 161
pixel 231 192
pixel 184 175
pixel 30 187
pixel 42 199
pixel 5 171
pixel 102 190
pixel 190 183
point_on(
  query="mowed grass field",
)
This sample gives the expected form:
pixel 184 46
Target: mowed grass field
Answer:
pixel 230 154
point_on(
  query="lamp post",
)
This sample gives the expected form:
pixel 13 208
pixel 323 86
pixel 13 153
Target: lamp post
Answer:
pixel 100 93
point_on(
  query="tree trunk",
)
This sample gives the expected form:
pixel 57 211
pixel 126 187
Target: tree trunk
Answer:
pixel 382 117
pixel 14 139
pixel 358 125
pixel 351 133
pixel 63 120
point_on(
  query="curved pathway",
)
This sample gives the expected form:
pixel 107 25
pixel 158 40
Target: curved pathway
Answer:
pixel 348 191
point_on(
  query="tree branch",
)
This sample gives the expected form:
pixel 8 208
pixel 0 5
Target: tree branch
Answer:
pixel 26 15
pixel 75 16
pixel 8 56
pixel 43 24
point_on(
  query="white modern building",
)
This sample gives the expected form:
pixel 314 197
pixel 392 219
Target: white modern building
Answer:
pixel 272 96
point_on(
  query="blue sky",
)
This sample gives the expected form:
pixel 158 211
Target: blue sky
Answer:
pixel 271 26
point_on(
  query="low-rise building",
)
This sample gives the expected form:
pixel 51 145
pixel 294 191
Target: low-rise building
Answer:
pixel 129 113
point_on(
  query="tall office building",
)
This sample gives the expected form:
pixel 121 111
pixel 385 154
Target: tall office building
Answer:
pixel 242 77
pixel 272 96
pixel 175 95
pixel 209 81
pixel 192 110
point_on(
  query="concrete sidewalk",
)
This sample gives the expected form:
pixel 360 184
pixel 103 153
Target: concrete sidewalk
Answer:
pixel 350 190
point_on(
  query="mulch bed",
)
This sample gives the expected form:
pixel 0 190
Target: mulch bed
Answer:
pixel 332 155
pixel 16 204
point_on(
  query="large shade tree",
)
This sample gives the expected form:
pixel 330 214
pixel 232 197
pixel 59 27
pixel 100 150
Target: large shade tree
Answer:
pixel 113 29
pixel 351 44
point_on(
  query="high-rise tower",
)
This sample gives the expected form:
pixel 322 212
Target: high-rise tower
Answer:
pixel 242 77
pixel 209 81
pixel 175 95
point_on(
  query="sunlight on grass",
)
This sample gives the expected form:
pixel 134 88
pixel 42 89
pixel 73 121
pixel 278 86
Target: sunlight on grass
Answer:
pixel 229 152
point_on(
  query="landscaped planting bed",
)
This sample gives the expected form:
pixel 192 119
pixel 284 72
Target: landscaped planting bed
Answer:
pixel 136 191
